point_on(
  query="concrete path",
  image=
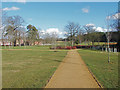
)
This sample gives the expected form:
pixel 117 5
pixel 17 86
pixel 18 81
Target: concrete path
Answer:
pixel 72 73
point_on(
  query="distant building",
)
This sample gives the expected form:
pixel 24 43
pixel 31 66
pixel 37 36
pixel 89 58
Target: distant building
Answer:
pixel 38 43
pixel 5 42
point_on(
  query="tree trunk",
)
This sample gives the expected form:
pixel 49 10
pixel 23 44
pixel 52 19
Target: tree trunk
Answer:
pixel 118 42
pixel 19 43
pixel 2 40
pixel 9 45
pixel 92 43
pixel 16 38
pixel 15 43
pixel 65 43
pixel 19 40
pixel 88 42
pixel 80 42
pixel 98 43
pixel 72 42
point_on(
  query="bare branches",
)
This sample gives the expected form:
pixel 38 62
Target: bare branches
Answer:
pixel 72 30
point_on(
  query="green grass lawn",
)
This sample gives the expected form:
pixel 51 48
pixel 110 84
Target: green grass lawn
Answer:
pixel 107 74
pixel 95 43
pixel 62 43
pixel 27 47
pixel 29 68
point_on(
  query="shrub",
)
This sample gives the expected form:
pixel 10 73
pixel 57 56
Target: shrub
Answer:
pixel 74 47
pixel 69 47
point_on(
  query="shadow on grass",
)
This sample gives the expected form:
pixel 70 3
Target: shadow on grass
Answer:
pixel 57 60
pixel 66 62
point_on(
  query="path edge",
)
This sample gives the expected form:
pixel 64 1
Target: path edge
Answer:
pixel 92 73
pixel 95 78
pixel 55 71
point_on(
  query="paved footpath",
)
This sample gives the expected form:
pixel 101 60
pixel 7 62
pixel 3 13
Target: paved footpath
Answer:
pixel 72 73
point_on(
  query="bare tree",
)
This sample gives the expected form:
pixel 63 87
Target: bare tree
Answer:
pixel 22 36
pixel 110 28
pixel 54 37
pixel 89 31
pixel 72 30
pixel 80 35
pixel 3 24
pixel 46 38
pixel 115 25
pixel 13 25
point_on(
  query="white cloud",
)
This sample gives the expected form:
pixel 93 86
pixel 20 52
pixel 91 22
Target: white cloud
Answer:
pixel 21 1
pixel 90 24
pixel 94 28
pixel 85 10
pixel 42 32
pixel 115 16
pixel 51 30
pixel 100 29
pixel 97 29
pixel 108 17
pixel 9 9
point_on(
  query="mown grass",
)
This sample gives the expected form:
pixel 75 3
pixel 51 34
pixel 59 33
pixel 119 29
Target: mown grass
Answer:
pixel 27 47
pixel 29 68
pixel 96 43
pixel 97 62
pixel 62 43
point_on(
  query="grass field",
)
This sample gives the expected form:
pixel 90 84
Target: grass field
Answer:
pixel 107 74
pixel 62 43
pixel 96 43
pixel 27 47
pixel 29 68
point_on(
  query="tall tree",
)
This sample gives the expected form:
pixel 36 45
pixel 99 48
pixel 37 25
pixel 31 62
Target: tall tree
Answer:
pixel 72 30
pixel 80 35
pixel 54 37
pixel 89 31
pixel 33 34
pixel 2 25
pixel 13 25
pixel 115 25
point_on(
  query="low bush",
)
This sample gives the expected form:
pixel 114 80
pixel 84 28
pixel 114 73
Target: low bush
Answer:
pixel 68 47
pixel 74 47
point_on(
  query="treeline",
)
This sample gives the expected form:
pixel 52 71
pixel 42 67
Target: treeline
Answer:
pixel 76 34
pixel 14 31
pixel 94 37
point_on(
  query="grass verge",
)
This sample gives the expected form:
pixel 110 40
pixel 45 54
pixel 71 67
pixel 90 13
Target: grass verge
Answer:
pixel 106 74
